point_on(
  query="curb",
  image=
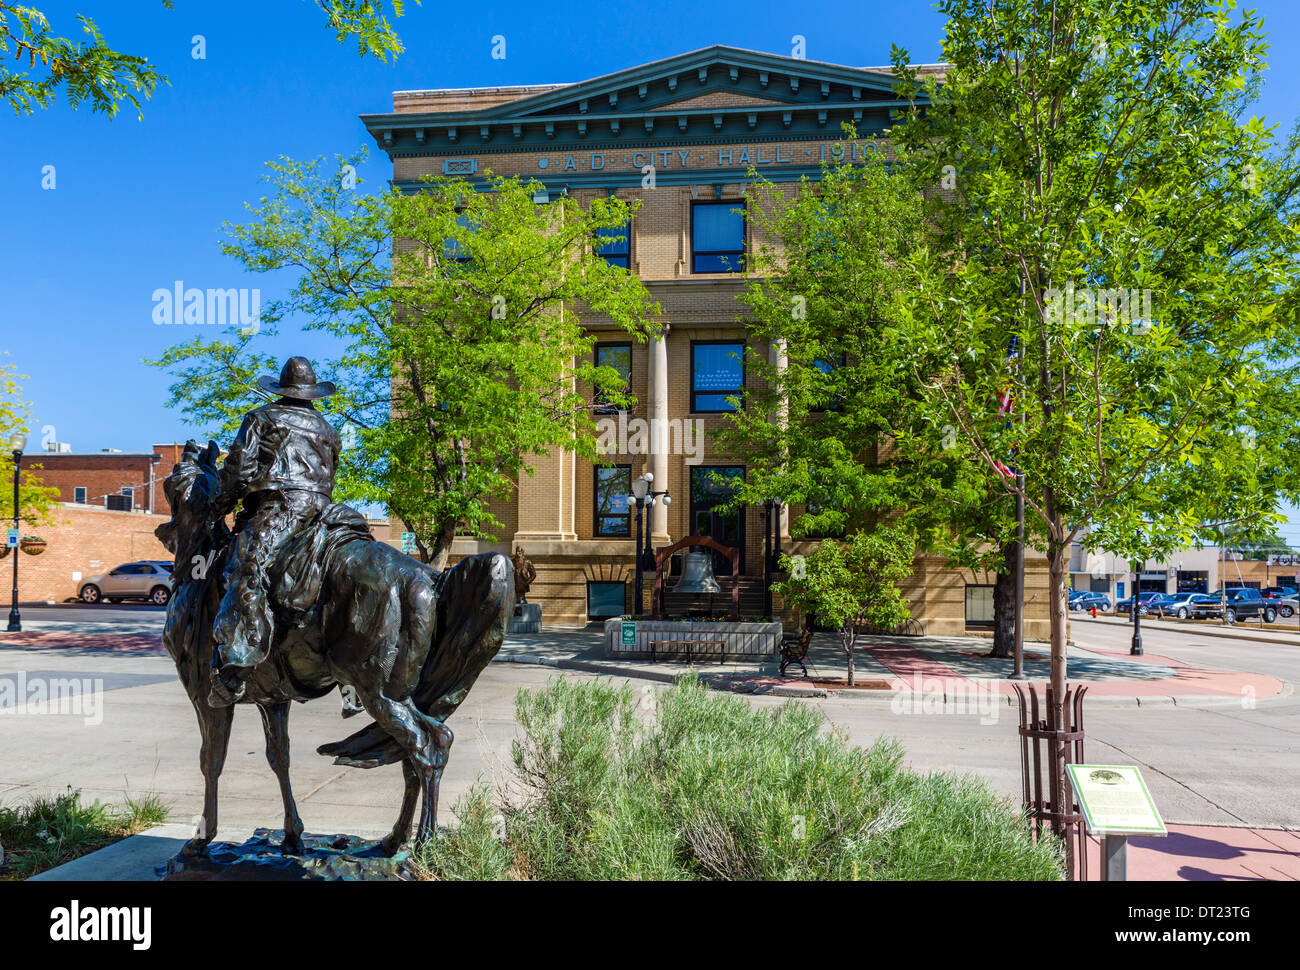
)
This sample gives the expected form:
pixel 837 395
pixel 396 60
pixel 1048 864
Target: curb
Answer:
pixel 876 696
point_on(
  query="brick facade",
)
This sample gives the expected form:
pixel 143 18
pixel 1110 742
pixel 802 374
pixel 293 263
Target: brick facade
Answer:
pixel 84 540
pixel 108 473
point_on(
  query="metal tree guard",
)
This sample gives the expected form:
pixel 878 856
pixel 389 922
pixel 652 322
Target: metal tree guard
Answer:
pixel 1066 823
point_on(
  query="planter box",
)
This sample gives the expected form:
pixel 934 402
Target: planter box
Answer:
pixel 744 642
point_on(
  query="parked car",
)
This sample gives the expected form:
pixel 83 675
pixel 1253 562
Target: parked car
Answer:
pixel 1238 603
pixel 144 580
pixel 1287 606
pixel 1182 605
pixel 1086 601
pixel 1145 601
pixel 1276 592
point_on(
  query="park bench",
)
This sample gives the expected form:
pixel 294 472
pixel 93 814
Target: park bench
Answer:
pixel 794 647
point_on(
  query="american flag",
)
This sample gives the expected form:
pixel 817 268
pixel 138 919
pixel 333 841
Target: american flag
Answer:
pixel 1006 407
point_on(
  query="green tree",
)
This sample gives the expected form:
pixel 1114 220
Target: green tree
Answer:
pixel 836 423
pixel 1105 206
pixel 852 584
pixel 462 354
pixel 35 499
pixel 90 70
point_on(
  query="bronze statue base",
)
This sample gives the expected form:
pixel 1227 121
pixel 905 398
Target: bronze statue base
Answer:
pixel 324 858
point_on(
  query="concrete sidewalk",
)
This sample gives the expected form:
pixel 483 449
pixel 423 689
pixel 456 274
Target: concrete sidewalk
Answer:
pixel 1190 853
pixel 884 665
pixel 1209 853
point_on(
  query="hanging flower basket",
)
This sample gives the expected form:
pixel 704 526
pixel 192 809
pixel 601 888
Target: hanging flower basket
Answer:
pixel 32 545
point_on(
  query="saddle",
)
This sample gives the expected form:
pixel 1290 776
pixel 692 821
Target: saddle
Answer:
pixel 296 585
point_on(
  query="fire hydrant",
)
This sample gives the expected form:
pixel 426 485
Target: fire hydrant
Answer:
pixel 1093 611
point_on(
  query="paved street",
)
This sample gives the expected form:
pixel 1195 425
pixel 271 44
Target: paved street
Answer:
pixel 1213 765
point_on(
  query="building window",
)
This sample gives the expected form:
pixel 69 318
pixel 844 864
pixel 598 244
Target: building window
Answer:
pixel 717 372
pixel 79 495
pixel 614 245
pixel 828 367
pixel 619 357
pixel 605 600
pixel 452 249
pixel 718 237
pixel 613 519
pixel 979 606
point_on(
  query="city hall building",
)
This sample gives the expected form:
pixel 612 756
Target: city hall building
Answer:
pixel 696 122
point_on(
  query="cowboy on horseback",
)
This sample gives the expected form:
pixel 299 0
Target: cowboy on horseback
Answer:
pixel 282 467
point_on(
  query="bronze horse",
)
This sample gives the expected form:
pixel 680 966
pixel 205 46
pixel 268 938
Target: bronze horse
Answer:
pixel 409 640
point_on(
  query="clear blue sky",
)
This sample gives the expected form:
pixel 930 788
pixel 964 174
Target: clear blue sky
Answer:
pixel 139 204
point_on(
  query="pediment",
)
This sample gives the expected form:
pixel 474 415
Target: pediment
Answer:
pixel 715 77
pixel 725 91
pixel 722 99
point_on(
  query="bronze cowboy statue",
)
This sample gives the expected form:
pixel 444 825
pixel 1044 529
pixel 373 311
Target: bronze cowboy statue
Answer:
pixel 282 467
pixel 300 599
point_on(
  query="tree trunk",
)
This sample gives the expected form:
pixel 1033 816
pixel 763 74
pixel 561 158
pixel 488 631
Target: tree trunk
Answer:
pixel 847 639
pixel 1057 571
pixel 1004 604
pixel 442 546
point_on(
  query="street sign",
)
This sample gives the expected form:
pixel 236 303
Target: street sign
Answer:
pixel 11 538
pixel 629 633
pixel 1115 800
pixel 408 543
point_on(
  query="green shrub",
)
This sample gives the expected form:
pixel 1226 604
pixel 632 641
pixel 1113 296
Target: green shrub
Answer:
pixel 702 785
pixel 51 830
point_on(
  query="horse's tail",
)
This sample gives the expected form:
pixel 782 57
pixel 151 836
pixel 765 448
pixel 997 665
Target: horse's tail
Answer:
pixel 475 599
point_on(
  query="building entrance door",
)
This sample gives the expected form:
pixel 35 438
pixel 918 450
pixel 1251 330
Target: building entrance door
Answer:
pixel 707 520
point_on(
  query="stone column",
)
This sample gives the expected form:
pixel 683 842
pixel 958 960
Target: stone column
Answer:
pixel 659 439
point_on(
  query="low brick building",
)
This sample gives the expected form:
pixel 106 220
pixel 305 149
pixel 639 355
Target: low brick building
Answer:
pixel 119 480
pixel 83 540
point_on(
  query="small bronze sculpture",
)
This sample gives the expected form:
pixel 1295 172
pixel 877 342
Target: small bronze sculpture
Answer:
pixel 341 610
pixel 525 573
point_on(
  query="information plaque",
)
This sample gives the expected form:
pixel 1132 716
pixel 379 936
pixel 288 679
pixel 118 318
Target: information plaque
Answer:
pixel 1115 800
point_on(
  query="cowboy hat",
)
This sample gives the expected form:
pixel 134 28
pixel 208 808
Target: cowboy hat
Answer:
pixel 297 380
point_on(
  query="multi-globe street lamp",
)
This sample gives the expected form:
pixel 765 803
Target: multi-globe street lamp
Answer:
pixel 642 499
pixel 17 442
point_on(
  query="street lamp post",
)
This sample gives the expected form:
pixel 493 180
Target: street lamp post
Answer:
pixel 772 550
pixel 17 442
pixel 641 500
pixel 1136 649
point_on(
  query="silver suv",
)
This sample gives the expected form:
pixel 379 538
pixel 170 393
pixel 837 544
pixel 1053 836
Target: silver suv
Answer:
pixel 145 580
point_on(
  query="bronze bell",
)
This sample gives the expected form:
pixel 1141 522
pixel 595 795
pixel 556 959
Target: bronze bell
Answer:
pixel 697 574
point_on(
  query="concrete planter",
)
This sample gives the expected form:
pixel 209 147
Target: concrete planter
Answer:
pixel 742 642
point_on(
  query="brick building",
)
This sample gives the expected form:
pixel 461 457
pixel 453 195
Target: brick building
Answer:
pixel 700 119
pixel 82 541
pixel 118 480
